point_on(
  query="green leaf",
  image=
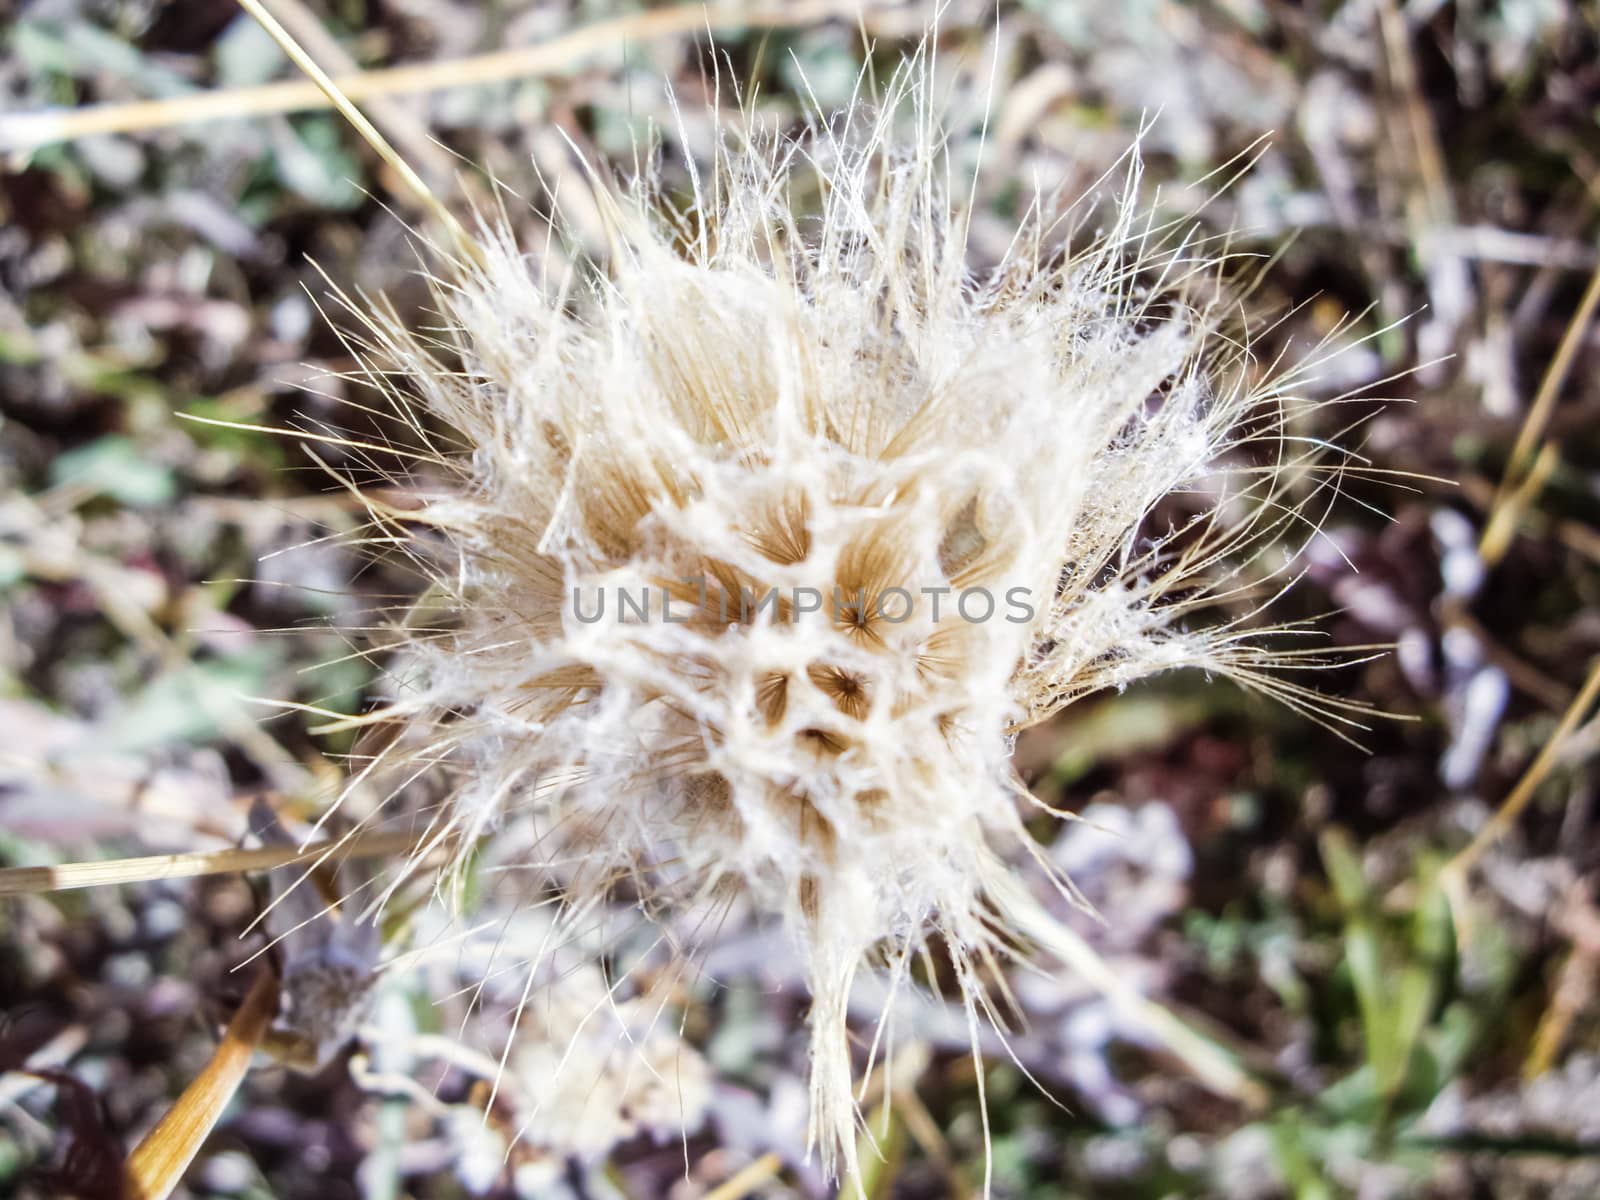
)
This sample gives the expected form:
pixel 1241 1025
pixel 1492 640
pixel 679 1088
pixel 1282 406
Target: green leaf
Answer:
pixel 188 705
pixel 13 570
pixel 245 54
pixel 40 49
pixel 1396 971
pixel 310 158
pixel 114 466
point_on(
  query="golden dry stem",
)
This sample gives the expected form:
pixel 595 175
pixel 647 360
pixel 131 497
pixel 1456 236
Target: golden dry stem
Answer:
pixel 158 1163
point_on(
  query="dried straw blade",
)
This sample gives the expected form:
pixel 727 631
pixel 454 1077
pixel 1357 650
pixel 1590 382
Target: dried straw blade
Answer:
pixel 747 1180
pixel 1527 468
pixel 1213 1064
pixel 1529 784
pixel 16 881
pixel 157 1164
pixel 21 132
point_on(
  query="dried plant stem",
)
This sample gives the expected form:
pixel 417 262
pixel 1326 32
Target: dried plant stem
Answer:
pixel 157 1164
pixel 1574 535
pixel 21 132
pixel 1525 470
pixel 743 1182
pixel 398 121
pixel 1213 1065
pixel 1575 985
pixel 358 120
pixel 16 881
pixel 1456 869
pixel 1433 198
pixel 1556 374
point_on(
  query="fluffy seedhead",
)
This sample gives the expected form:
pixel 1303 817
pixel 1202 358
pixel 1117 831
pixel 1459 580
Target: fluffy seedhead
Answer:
pixel 751 553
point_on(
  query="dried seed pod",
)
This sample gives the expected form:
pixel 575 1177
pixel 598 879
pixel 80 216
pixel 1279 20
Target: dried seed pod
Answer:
pixel 755 550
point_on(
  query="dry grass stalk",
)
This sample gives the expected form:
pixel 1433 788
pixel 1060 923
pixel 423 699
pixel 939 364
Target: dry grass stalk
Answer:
pixel 62 877
pixel 1528 786
pixel 1530 464
pixel 747 1179
pixel 158 1163
pixel 21 132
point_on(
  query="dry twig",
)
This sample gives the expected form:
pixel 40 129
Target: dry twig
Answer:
pixel 25 131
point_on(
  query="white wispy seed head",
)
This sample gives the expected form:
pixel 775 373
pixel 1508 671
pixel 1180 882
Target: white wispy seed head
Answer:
pixel 1008 489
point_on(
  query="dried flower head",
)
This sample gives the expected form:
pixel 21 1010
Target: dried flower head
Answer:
pixel 751 554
